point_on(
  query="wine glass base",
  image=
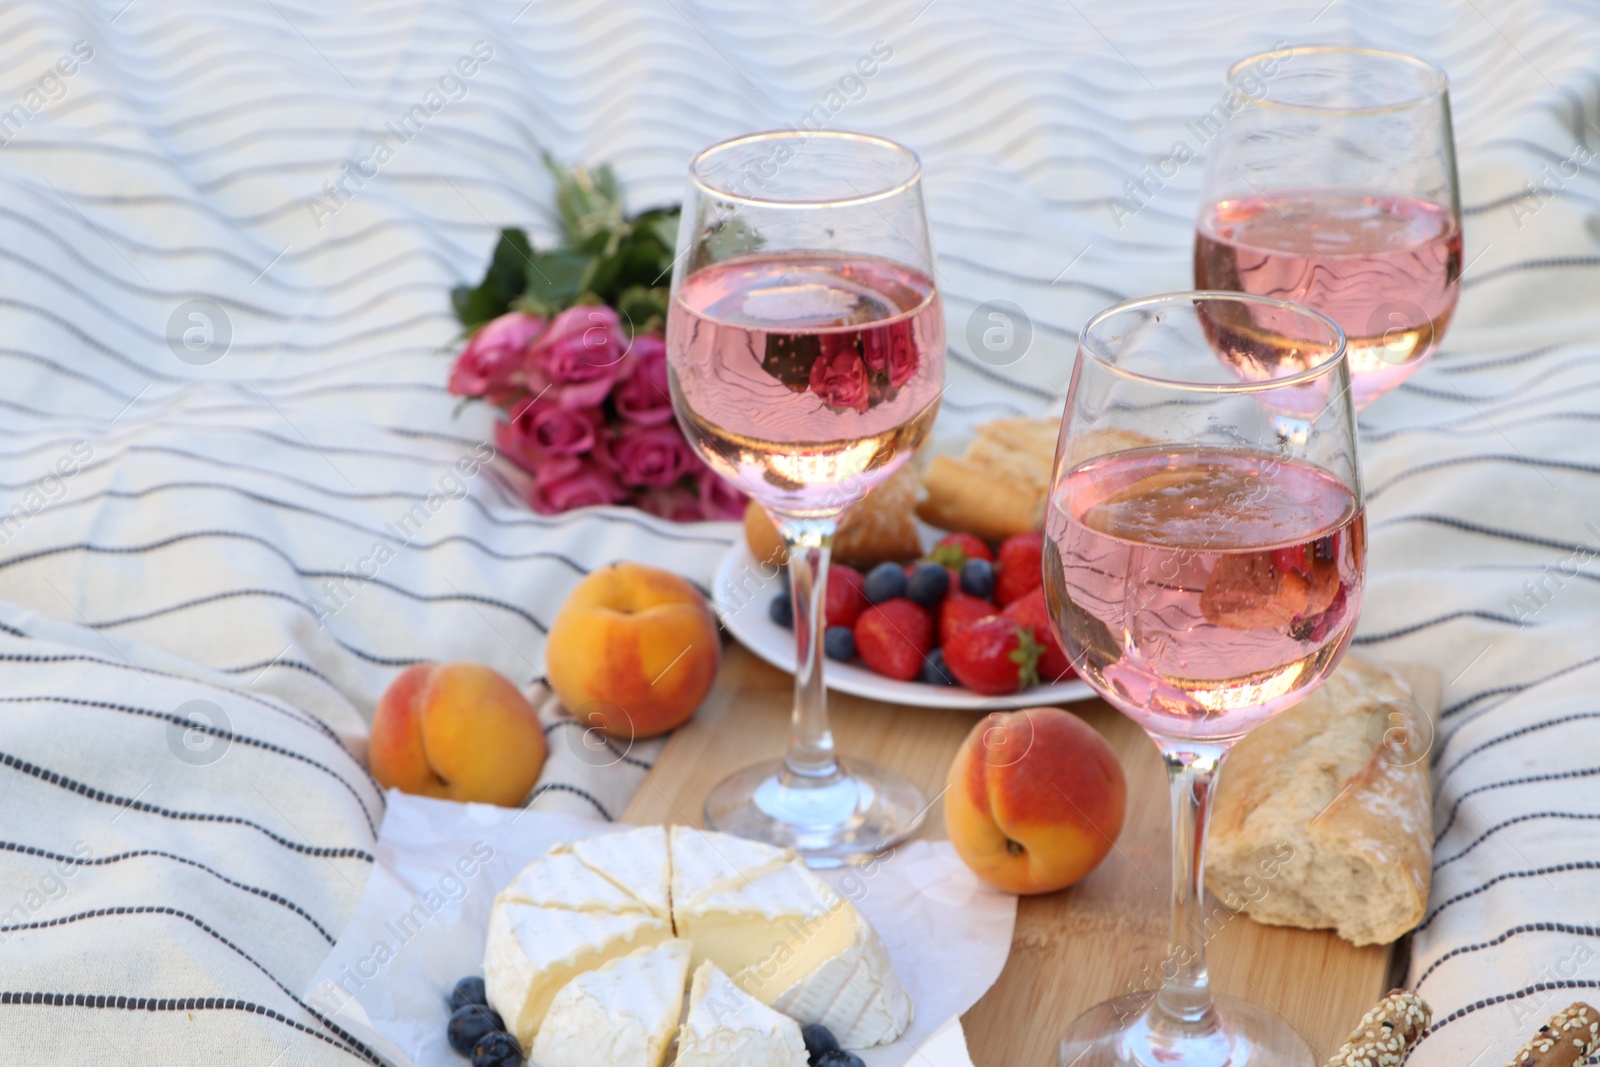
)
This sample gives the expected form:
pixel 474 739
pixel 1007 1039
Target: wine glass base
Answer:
pixel 840 820
pixel 1118 1034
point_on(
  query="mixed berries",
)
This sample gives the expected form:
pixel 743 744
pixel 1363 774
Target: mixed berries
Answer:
pixel 476 1030
pixel 965 615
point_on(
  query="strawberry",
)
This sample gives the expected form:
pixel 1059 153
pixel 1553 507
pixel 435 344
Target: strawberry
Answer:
pixel 959 610
pixel 994 656
pixel 1032 612
pixel 1019 567
pixel 893 637
pixel 846 600
pixel 953 550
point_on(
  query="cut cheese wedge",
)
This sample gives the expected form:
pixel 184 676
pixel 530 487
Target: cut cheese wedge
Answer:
pixel 562 880
pixel 635 861
pixel 703 863
pixel 622 1015
pixel 789 940
pixel 727 1027
pixel 532 952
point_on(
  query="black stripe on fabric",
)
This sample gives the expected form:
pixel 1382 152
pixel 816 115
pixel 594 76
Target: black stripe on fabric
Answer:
pixel 1406 631
pixel 1497 827
pixel 236 535
pixel 1525 991
pixel 563 787
pixel 301 509
pixel 1507 876
pixel 101 796
pixel 292 664
pixel 289 711
pixel 1504 690
pixel 606 741
pixel 1512 735
pixel 18 998
pixel 1450 366
pixel 1500 396
pixel 174 719
pixel 1548 263
pixel 1462 461
pixel 1552 776
pixel 178 913
pixel 102 861
pixel 1524 928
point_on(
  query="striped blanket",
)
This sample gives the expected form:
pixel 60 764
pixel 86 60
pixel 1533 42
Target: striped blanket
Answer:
pixel 226 239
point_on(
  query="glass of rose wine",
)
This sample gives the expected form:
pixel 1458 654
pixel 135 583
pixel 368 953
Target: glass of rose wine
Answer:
pixel 1205 548
pixel 1332 183
pixel 805 350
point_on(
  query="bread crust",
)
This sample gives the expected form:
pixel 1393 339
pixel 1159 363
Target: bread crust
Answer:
pixel 1352 812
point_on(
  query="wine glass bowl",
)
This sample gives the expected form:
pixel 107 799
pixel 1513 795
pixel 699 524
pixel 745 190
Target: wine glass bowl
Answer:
pixel 1204 560
pixel 1334 185
pixel 805 354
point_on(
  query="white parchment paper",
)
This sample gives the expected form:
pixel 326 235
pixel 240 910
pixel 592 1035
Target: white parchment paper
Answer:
pixel 421 924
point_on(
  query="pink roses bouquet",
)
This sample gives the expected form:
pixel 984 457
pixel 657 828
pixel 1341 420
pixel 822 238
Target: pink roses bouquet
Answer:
pixel 588 413
pixel 586 406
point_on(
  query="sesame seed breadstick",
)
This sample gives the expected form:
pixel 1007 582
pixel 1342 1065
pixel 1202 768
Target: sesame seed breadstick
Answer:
pixel 1386 1033
pixel 1566 1039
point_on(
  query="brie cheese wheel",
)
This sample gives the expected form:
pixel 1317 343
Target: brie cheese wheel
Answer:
pixel 788 939
pixel 635 861
pixel 562 880
pixel 532 952
pixel 622 1015
pixel 727 1027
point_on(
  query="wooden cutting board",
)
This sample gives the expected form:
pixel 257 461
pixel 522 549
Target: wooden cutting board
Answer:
pixel 1101 938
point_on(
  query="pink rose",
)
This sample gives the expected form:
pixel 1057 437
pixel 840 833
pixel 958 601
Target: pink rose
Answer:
pixel 491 365
pixel 558 431
pixel 580 354
pixel 675 504
pixel 891 351
pixel 588 486
pixel 840 379
pixel 643 398
pixel 718 499
pixel 649 455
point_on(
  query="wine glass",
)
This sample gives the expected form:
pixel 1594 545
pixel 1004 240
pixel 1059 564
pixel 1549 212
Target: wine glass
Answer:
pixel 1332 183
pixel 1205 547
pixel 805 349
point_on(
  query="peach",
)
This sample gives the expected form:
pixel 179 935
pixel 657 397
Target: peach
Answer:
pixel 458 731
pixel 633 651
pixel 1035 800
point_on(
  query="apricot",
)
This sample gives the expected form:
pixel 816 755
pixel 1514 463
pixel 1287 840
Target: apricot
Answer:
pixel 1035 801
pixel 458 731
pixel 633 651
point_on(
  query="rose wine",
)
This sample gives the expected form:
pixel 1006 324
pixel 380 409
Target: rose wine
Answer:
pixel 1203 590
pixel 806 379
pixel 1386 268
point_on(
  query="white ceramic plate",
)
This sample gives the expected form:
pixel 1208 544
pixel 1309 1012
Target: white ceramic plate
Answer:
pixel 743 588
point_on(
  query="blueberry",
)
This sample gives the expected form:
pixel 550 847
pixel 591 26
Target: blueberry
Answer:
pixel 839 643
pixel 819 1041
pixel 502 1050
pixel 934 671
pixel 839 1058
pixel 928 584
pixel 977 578
pixel 884 582
pixel 468 991
pixel 781 611
pixel 471 1024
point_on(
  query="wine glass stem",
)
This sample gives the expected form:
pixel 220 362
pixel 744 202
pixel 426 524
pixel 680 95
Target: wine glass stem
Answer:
pixel 810 543
pixel 1184 1003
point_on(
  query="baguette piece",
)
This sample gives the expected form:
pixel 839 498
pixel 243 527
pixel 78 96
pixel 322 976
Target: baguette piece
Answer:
pixel 1323 814
pixel 998 488
pixel 878 528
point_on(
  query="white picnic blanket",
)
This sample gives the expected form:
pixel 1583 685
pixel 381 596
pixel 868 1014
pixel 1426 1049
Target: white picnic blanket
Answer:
pixel 188 504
